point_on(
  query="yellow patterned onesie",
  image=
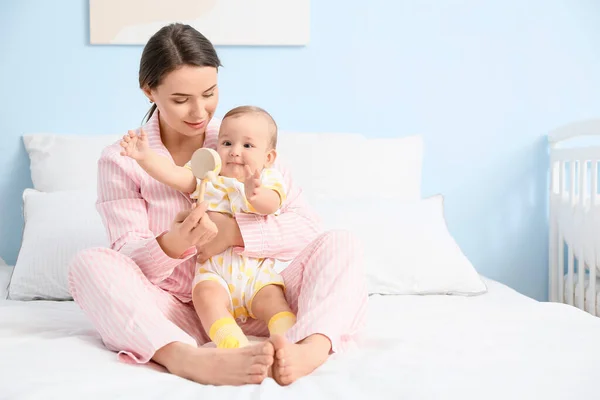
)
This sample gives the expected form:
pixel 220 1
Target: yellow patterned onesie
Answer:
pixel 240 275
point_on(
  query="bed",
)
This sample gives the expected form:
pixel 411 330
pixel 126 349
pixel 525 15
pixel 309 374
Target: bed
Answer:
pixel 501 345
pixel 436 328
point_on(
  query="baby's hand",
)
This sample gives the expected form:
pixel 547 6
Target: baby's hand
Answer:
pixel 135 146
pixel 252 183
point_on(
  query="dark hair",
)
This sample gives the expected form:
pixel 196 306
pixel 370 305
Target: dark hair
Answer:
pixel 241 110
pixel 172 47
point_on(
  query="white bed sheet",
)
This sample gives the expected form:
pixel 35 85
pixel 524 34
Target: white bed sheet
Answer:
pixel 501 345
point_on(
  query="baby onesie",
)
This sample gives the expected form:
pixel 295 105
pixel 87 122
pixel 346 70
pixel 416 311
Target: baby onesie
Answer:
pixel 241 276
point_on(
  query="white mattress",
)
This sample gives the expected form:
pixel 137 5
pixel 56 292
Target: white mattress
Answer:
pixel 501 345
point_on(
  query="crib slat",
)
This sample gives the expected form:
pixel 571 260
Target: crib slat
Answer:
pixel 594 185
pixel 553 258
pixel 572 182
pixel 570 271
pixel 553 236
pixel 561 267
pixel 581 280
pixel 582 181
pixel 570 250
pixel 581 171
pixel 561 242
pixel 561 179
pixel 553 265
pixel 570 255
pixel 591 297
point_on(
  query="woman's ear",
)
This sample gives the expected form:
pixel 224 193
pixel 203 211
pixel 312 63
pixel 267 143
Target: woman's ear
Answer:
pixel 148 93
pixel 271 156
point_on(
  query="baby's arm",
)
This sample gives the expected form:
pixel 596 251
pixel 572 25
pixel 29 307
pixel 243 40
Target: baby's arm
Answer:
pixel 158 167
pixel 265 197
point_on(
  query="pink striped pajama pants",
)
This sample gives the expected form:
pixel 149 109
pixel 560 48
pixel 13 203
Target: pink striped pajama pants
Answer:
pixel 325 287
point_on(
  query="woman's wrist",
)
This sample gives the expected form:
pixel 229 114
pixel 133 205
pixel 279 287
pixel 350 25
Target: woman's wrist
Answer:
pixel 169 244
pixel 228 228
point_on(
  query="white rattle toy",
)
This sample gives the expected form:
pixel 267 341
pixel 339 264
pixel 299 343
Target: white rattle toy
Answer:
pixel 206 165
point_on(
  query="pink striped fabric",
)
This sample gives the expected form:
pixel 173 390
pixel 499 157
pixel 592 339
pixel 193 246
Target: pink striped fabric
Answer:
pixel 326 289
pixel 139 299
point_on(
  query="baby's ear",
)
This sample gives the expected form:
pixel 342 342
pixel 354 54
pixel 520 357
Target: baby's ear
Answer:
pixel 271 156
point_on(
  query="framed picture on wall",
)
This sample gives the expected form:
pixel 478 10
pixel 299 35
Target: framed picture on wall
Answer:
pixel 223 22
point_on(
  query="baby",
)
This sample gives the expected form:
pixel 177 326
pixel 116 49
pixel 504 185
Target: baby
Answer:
pixel 247 183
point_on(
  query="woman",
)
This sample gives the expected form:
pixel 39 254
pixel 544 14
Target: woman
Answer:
pixel 137 293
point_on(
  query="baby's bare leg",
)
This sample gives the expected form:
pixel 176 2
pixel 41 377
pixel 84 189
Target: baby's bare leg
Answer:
pixel 269 305
pixel 211 301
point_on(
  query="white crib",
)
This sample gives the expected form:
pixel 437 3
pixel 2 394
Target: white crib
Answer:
pixel 574 210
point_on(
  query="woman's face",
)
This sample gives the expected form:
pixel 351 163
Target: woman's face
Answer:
pixel 186 98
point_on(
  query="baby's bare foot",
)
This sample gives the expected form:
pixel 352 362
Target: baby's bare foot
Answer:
pixel 293 361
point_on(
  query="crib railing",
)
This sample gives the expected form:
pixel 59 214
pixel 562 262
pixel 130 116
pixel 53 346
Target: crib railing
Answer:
pixel 573 199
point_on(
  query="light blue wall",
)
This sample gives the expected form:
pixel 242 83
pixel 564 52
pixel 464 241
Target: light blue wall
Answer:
pixel 482 81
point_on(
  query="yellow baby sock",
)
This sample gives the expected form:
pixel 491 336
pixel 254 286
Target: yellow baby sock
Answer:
pixel 227 334
pixel 281 322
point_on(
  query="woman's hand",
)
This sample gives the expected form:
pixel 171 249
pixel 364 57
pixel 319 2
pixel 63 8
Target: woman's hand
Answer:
pixel 228 235
pixel 190 228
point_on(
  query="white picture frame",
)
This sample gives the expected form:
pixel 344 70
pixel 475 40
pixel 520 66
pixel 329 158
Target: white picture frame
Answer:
pixel 223 22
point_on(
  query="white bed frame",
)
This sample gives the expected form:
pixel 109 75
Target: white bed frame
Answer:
pixel 574 204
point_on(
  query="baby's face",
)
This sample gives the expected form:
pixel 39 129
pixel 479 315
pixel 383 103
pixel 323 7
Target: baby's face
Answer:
pixel 244 140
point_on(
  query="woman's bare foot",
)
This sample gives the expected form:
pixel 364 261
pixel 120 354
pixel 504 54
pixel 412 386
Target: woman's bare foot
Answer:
pixel 247 365
pixel 293 361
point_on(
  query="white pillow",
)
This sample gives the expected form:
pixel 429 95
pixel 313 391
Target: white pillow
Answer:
pixel 337 166
pixel 57 226
pixel 324 164
pixel 407 246
pixel 5 274
pixel 408 249
pixel 65 162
